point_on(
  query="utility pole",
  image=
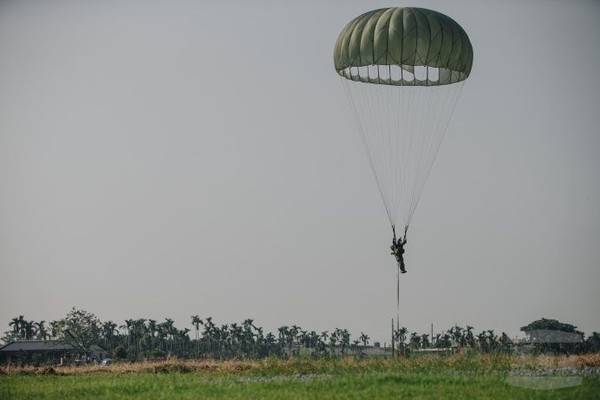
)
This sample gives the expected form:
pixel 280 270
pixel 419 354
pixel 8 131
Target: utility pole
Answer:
pixel 393 339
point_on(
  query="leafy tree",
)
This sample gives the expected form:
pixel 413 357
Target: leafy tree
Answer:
pixel 120 353
pixel 550 324
pixel 593 343
pixel 83 325
pixel 550 335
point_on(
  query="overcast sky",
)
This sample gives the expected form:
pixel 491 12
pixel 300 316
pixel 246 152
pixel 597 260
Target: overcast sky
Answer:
pixel 172 158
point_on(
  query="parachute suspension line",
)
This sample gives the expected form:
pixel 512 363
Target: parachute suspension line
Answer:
pixel 401 129
pixel 362 124
pixel 447 103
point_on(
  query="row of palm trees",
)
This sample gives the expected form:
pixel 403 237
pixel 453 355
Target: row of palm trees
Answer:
pixel 486 341
pixel 24 329
pixel 248 340
pixel 142 338
pixel 146 338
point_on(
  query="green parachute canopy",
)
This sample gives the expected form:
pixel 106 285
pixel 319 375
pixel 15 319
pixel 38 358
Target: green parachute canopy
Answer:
pixel 405 46
pixel 403 70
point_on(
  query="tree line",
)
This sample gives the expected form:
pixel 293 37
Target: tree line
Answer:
pixel 144 338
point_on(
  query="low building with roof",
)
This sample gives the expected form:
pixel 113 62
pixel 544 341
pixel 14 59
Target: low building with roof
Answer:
pixel 48 350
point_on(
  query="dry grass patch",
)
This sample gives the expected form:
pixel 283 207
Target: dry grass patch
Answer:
pixel 165 366
pixel 588 360
pixel 293 366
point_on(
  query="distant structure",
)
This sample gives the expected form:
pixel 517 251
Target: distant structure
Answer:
pixel 55 351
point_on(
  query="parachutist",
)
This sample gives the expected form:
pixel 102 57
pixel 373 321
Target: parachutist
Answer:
pixel 397 248
pixel 394 61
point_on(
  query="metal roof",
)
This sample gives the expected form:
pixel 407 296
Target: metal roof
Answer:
pixel 42 345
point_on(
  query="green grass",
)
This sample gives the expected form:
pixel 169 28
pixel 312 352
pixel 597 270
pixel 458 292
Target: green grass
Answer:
pixel 443 378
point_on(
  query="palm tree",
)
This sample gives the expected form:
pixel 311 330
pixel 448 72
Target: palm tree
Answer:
pixel 258 341
pixel 443 340
pixel 324 336
pixel 425 341
pixel 196 321
pixel 304 339
pixel 42 333
pixel 293 336
pixel 333 339
pixel 492 340
pixel 248 338
pixel 22 327
pixel 469 337
pixel 270 344
pixel 28 329
pixel 55 329
pixel 16 324
pixel 19 326
pixel 168 331
pixel 314 340
pixel 161 335
pixel 139 327
pixel 152 329
pixel 415 340
pixel 505 343
pixel 400 337
pixel 183 340
pixel 235 338
pixel 457 335
pixel 322 342
pixel 483 344
pixel 344 340
pixel 208 336
pixel 364 338
pixel 128 328
pixel 224 339
pixel 109 330
pixel 436 340
pixel 284 333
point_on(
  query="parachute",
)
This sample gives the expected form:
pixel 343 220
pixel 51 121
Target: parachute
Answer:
pixel 403 70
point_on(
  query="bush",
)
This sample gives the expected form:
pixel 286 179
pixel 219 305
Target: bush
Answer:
pixel 156 354
pixel 119 353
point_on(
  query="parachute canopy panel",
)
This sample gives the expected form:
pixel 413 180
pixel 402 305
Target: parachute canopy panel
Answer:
pixel 404 46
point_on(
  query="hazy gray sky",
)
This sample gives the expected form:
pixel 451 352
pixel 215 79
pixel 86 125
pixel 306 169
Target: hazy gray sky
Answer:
pixel 171 158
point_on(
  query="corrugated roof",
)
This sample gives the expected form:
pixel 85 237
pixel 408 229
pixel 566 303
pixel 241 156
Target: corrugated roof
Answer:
pixel 43 345
pixel 37 345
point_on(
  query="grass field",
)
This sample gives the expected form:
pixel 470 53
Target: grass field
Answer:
pixel 454 377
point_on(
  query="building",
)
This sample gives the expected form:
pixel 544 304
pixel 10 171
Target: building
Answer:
pixel 48 350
